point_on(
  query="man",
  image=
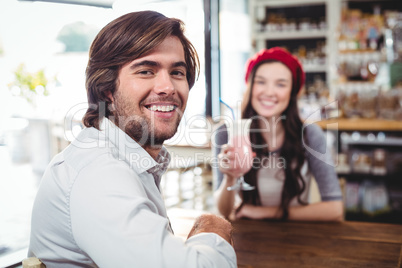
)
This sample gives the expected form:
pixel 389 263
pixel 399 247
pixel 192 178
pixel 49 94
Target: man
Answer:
pixel 99 203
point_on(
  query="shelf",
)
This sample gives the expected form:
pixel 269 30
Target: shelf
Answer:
pixel 354 83
pixel 360 124
pixel 366 56
pixel 359 51
pixel 315 68
pixel 363 176
pixel 389 141
pixel 291 35
pixel 287 3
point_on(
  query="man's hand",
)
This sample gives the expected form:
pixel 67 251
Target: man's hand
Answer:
pixel 210 223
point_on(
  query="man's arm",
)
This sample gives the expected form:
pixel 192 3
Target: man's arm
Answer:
pixel 116 224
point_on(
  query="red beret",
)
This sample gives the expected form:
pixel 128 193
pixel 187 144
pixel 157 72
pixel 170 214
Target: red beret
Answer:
pixel 282 55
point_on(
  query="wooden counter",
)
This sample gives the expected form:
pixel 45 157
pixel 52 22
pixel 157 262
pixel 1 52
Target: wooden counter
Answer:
pixel 304 244
pixel 308 244
pixel 360 124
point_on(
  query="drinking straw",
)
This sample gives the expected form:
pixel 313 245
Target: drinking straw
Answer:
pixel 227 105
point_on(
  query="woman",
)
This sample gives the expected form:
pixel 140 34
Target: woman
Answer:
pixel 287 153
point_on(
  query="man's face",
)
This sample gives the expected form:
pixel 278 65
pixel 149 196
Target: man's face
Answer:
pixel 152 93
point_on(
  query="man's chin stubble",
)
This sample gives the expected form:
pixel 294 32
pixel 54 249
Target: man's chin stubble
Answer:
pixel 148 138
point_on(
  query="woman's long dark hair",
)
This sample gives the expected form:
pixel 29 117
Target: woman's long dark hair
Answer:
pixel 292 150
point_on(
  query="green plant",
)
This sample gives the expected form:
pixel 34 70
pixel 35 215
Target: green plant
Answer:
pixel 28 85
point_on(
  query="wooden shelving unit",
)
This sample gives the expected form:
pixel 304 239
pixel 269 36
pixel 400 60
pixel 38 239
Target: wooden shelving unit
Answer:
pixel 262 36
pixel 367 142
pixel 360 124
pixel 332 14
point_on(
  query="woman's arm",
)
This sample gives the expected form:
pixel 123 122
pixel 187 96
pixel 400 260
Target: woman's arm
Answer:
pixel 321 164
pixel 225 200
pixel 224 173
pixel 320 211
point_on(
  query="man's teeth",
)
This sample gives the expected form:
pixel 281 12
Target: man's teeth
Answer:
pixel 162 108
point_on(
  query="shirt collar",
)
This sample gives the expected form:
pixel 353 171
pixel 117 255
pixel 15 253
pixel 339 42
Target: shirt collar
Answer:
pixel 132 153
pixel 163 160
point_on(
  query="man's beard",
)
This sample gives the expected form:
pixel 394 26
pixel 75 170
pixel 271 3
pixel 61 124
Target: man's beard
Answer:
pixel 137 127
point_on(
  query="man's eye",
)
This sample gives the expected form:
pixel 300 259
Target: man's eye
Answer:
pixel 259 82
pixel 145 72
pixel 178 73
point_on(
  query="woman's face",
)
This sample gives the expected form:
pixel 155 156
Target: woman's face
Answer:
pixel 271 91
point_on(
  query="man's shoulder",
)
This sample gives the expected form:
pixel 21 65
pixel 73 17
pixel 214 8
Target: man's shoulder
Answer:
pixel 89 146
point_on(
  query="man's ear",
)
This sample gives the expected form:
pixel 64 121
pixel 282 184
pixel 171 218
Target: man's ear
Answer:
pixel 109 95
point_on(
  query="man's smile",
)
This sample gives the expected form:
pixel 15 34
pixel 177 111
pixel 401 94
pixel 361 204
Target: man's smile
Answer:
pixel 161 107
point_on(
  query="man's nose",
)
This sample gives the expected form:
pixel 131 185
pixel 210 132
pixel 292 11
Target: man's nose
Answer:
pixel 163 84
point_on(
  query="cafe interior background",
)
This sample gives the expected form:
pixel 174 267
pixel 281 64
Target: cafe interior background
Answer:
pixel 351 51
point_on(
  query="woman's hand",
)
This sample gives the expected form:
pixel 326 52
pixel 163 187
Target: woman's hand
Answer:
pixel 226 160
pixel 256 212
pixel 320 211
pixel 227 164
pixel 247 211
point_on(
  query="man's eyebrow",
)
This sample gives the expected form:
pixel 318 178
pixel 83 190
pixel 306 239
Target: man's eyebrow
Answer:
pixel 179 64
pixel 156 64
pixel 144 63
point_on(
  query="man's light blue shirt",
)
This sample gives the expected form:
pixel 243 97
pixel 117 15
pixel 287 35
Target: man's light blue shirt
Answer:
pixel 99 205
